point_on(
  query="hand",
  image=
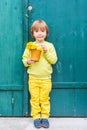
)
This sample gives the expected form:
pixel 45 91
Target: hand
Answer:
pixel 30 61
pixel 44 48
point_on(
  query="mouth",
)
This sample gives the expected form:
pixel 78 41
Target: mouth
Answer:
pixel 40 37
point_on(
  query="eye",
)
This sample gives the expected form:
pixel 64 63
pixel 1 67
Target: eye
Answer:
pixel 36 30
pixel 42 30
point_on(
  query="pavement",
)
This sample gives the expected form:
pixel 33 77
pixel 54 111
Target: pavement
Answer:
pixel 26 123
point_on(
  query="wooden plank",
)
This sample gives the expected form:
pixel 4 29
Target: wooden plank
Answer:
pixel 17 104
pixel 62 102
pixel 11 42
pixel 5 103
pixel 81 102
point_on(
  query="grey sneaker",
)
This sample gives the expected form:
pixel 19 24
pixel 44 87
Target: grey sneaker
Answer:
pixel 45 123
pixel 37 123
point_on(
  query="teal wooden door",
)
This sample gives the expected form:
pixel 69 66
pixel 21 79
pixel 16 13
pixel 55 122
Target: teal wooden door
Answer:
pixel 68 30
pixel 13 35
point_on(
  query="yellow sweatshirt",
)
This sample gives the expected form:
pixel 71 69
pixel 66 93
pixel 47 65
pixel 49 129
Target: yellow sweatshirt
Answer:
pixel 43 68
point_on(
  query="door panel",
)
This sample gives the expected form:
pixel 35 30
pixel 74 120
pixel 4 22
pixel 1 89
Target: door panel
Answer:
pixel 68 30
pixel 11 40
pixel 12 23
pixel 17 103
pixel 63 101
pixel 5 103
pixel 11 103
pixel 81 102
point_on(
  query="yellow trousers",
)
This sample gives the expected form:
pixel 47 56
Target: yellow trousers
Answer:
pixel 39 91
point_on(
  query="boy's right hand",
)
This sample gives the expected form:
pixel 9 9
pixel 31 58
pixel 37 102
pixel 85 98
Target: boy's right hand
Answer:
pixel 30 61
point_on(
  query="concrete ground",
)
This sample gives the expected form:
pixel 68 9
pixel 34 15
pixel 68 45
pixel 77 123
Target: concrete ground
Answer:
pixel 55 124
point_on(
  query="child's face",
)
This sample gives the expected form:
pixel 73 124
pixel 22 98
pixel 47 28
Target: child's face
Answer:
pixel 40 34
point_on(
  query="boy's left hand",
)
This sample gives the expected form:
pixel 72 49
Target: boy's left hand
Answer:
pixel 44 48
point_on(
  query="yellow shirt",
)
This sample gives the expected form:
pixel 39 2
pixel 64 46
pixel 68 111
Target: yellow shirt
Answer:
pixel 43 68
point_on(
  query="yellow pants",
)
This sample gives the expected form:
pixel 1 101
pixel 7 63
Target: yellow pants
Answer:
pixel 39 91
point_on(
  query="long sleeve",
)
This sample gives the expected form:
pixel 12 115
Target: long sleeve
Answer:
pixel 51 55
pixel 25 57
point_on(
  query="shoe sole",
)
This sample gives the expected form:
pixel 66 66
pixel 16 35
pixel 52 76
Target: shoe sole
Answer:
pixel 45 126
pixel 38 127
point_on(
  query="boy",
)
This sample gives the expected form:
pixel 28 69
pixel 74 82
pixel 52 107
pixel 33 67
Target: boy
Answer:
pixel 40 74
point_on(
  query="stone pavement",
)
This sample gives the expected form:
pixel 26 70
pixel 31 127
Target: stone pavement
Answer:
pixel 12 123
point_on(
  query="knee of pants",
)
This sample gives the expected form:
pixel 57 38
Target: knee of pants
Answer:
pixel 44 98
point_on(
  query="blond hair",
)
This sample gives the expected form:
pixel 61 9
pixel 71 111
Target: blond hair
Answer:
pixel 39 24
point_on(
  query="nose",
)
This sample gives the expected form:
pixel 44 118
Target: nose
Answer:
pixel 39 32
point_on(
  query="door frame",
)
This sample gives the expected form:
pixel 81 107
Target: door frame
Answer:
pixel 25 40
